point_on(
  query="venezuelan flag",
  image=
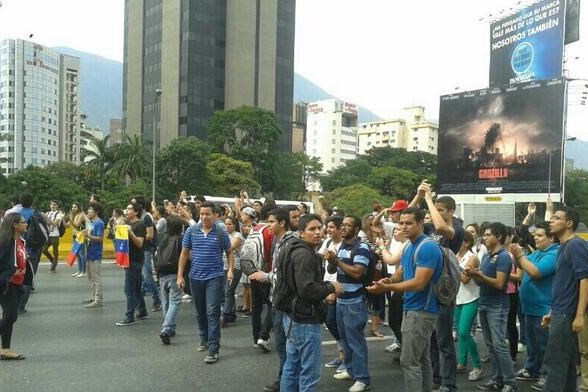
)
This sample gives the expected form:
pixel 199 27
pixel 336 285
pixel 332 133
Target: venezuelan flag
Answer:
pixel 121 241
pixel 78 243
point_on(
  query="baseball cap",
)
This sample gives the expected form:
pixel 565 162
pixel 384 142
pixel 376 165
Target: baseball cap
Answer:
pixel 399 205
pixel 249 211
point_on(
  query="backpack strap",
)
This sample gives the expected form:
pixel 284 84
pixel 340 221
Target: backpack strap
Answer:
pixel 414 261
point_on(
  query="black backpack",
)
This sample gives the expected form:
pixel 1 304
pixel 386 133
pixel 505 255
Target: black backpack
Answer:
pixel 283 295
pixel 168 253
pixel 372 273
pixel 62 228
pixel 37 231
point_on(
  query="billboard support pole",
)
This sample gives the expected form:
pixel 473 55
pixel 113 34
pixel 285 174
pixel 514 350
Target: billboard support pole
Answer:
pixel 549 177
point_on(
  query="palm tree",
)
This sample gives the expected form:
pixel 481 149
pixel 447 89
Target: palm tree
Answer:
pixel 132 158
pixel 97 157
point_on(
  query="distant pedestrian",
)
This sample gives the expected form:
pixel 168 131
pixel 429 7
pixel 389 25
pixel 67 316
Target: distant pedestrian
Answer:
pixel 95 236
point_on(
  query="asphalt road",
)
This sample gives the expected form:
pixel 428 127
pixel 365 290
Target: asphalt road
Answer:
pixel 70 348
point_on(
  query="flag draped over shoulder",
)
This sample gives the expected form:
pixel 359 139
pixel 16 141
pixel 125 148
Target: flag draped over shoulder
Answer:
pixel 78 244
pixel 121 241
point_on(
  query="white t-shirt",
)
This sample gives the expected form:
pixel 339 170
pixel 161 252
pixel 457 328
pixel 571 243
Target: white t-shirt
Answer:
pixel 335 248
pixel 54 229
pixel 470 291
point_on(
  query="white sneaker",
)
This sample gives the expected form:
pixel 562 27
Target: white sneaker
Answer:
pixel 342 376
pixel 263 345
pixel 394 347
pixel 521 348
pixel 358 387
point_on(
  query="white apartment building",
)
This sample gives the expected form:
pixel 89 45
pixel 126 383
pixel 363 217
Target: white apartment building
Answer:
pixel 412 133
pixel 331 133
pixel 39 106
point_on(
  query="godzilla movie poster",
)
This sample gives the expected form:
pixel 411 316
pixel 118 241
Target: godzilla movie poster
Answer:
pixel 502 140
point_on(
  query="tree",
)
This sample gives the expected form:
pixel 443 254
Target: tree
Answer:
pixel 247 134
pixel 394 182
pixel 355 199
pixel 132 158
pixel 44 186
pixel 353 172
pixel 228 176
pixel 181 165
pixel 576 191
pixel 97 158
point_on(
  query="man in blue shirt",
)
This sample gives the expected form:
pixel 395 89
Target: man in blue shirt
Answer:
pixel 535 296
pixel 202 243
pixel 421 265
pixel 492 277
pixel 351 263
pixel 95 234
pixel 568 306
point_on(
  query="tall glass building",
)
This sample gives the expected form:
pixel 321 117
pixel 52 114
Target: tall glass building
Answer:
pixel 205 56
pixel 39 110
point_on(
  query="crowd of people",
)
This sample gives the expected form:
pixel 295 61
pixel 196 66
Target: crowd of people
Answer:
pixel 300 271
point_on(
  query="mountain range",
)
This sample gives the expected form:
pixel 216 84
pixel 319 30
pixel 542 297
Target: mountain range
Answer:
pixel 101 97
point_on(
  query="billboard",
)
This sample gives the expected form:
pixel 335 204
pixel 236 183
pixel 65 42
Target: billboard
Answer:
pixel 528 45
pixel 504 140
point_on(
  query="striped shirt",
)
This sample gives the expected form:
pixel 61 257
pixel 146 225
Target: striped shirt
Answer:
pixel 206 255
pixel 352 289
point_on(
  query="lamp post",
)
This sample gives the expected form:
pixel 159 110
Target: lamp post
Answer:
pixel 157 94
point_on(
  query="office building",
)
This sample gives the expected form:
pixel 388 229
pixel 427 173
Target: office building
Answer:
pixel 298 126
pixel 331 133
pixel 39 106
pixel 412 133
pixel 205 56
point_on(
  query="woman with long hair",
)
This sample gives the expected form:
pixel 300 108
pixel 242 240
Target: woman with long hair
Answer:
pixel 229 310
pixel 13 266
pixel 77 220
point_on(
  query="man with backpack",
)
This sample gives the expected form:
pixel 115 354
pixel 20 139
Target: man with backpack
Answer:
pixel 56 230
pixel 36 236
pixel 352 263
pixel 421 265
pixel 300 293
pixel 278 224
pixel 450 235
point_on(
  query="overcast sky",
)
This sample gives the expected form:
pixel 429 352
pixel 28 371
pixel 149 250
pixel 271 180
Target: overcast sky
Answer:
pixel 383 55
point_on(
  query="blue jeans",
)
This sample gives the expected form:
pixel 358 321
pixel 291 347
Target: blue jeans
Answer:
pixel 561 355
pixel 229 310
pixel 279 337
pixel 133 281
pixel 493 320
pixel 536 344
pixel 149 285
pixel 207 296
pixel 82 259
pixel 351 321
pixel 172 299
pixel 302 370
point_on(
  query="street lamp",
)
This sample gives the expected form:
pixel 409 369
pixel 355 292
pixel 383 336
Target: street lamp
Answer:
pixel 157 94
